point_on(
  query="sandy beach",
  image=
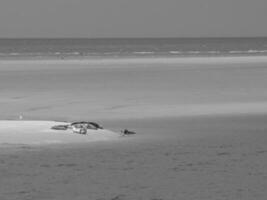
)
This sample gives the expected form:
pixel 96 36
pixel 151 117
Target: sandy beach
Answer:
pixel 200 122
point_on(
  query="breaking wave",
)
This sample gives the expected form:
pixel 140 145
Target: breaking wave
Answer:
pixel 134 53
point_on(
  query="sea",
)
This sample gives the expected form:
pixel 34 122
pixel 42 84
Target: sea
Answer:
pixel 130 47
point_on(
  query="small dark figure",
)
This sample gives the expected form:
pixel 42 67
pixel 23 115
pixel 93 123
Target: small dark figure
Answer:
pixel 127 132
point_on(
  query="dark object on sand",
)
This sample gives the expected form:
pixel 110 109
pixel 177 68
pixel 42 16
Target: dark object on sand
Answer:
pixel 96 125
pixel 79 128
pixel 127 132
pixel 87 125
pixel 83 131
pixel 60 127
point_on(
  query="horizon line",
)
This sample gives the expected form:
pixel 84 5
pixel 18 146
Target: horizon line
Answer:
pixel 95 38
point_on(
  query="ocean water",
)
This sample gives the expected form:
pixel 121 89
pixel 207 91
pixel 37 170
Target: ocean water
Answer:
pixel 132 47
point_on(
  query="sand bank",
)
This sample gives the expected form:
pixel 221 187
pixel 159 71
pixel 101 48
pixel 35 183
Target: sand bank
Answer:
pixel 207 116
pixel 40 133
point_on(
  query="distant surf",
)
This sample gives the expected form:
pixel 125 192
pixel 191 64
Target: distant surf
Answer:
pixel 131 47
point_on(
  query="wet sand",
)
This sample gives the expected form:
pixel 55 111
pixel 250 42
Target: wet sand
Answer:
pixel 69 90
pixel 201 130
pixel 209 158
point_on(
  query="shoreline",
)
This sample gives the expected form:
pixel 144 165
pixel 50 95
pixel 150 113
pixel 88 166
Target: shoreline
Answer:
pixel 134 63
pixel 40 133
pixel 17 134
pixel 131 59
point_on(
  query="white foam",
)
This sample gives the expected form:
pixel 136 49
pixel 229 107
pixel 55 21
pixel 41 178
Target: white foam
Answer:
pixel 144 52
pixel 251 51
pixel 193 52
pixel 175 52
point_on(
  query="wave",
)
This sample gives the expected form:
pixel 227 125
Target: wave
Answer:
pixel 257 51
pixel 194 52
pixel 251 51
pixel 175 52
pixel 213 52
pixel 144 52
pixel 247 51
pixel 39 53
pixel 132 53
